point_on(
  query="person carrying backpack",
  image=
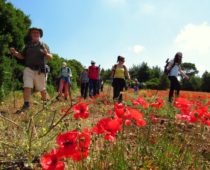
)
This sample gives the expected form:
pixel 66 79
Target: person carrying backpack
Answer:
pixel 174 69
pixel 119 74
pixel 35 54
pixel 84 83
pixel 136 86
pixel 65 81
pixel 93 74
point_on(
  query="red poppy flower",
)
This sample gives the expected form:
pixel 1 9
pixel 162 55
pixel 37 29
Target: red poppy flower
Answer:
pixel 50 161
pixel 109 127
pixel 119 109
pixel 154 119
pixel 127 122
pixel 67 143
pixel 81 111
pixel 158 103
pixel 137 116
pixel 141 101
pixel 82 148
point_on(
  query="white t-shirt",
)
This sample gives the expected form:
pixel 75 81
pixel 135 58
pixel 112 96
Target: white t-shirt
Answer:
pixel 175 70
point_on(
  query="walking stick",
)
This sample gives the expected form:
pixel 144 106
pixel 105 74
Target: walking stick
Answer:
pixel 70 97
pixel 13 63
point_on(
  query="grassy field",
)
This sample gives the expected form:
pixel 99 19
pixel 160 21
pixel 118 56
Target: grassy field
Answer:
pixel 145 132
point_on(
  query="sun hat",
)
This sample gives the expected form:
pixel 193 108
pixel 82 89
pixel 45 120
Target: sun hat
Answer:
pixel 37 29
pixel 64 64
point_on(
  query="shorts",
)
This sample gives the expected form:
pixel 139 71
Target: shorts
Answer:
pixel 33 79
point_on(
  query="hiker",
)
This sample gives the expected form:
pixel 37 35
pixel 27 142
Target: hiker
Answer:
pixel 119 74
pixel 84 83
pixel 101 85
pixel 35 54
pixel 136 86
pixel 93 75
pixel 174 69
pixel 64 81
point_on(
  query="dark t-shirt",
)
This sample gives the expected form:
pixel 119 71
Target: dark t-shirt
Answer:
pixel 34 56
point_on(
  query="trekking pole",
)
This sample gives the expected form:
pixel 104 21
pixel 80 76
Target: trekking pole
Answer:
pixel 70 96
pixel 13 63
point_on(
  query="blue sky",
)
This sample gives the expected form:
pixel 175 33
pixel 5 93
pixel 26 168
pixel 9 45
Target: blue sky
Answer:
pixel 141 30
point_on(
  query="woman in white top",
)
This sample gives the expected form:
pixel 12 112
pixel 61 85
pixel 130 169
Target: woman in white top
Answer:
pixel 174 71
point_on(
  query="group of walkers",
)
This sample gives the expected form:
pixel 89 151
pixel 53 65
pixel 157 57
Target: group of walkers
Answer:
pixel 90 80
pixel 36 55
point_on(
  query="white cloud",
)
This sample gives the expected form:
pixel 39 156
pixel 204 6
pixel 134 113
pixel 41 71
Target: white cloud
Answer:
pixel 137 49
pixel 148 8
pixel 194 42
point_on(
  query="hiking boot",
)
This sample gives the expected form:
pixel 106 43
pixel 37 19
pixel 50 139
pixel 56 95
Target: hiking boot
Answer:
pixel 23 109
pixel 58 98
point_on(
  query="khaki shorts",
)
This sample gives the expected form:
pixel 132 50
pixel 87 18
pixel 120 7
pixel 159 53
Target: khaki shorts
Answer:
pixel 33 79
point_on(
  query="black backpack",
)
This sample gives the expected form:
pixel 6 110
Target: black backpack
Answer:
pixel 167 71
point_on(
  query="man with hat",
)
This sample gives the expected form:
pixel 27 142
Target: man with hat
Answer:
pixel 35 54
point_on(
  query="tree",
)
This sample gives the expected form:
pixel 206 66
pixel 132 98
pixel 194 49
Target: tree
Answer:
pixel 13 28
pixel 141 72
pixel 155 72
pixel 190 69
pixel 205 82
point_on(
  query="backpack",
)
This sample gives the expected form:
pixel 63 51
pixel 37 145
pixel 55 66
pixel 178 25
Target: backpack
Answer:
pixel 167 71
pixel 68 70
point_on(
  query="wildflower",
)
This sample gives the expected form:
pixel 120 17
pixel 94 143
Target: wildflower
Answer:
pixel 137 116
pixel 141 101
pixel 119 109
pixel 109 127
pixel 158 103
pixel 50 161
pixel 67 143
pixel 127 122
pixel 82 148
pixel 81 111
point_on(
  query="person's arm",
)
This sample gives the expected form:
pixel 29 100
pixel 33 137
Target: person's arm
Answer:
pixel 46 51
pixel 183 73
pixel 70 73
pixel 15 53
pixel 170 65
pixel 127 73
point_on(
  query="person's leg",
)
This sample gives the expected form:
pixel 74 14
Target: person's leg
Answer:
pixel 40 84
pixel 95 87
pixel 85 90
pixel 121 87
pixel 66 90
pixel 116 89
pixel 177 86
pixel 61 86
pixel 28 78
pixel 82 89
pixel 90 87
pixel 172 87
pixel 26 95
